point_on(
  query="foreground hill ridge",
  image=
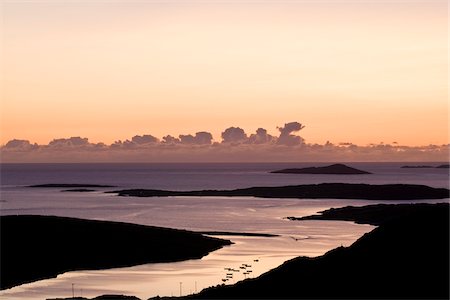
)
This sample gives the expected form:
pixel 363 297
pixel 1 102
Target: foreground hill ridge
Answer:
pixel 62 244
pixel 310 191
pixel 406 257
pixel 335 169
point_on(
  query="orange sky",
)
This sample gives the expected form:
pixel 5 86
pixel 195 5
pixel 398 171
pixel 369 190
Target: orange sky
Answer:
pixel 358 71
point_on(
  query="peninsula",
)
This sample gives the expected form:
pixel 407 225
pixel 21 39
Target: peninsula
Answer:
pixel 62 244
pixel 310 191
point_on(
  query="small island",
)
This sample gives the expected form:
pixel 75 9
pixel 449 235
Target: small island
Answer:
pixel 417 167
pixel 447 166
pixel 336 169
pixel 40 247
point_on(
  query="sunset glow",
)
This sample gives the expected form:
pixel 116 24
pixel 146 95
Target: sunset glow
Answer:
pixel 359 72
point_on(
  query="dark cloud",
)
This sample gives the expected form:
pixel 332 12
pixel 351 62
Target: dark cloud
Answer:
pixel 116 144
pixel 203 138
pixel 261 137
pixel 200 138
pixel 20 145
pixel 287 138
pixel 234 135
pixel 236 146
pixel 168 139
pixel 70 142
pixel 144 139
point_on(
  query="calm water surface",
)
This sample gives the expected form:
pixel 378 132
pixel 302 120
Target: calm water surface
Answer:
pixel 237 214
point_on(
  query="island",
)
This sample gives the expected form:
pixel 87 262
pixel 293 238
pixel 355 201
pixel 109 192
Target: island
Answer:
pixel 443 166
pixel 310 191
pixel 406 257
pixel 416 167
pixel 40 247
pixel 79 190
pixel 336 169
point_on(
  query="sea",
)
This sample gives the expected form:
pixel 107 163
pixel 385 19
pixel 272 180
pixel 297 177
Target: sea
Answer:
pixel 257 254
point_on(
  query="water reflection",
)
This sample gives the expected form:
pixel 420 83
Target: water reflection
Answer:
pixel 261 253
pixel 239 214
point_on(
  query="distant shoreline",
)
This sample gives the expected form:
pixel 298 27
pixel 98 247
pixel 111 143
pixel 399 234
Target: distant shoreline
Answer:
pixel 310 191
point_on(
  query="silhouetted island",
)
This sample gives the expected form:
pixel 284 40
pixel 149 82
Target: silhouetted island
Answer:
pixel 335 169
pixel 416 167
pixel 39 247
pixel 311 191
pixel 79 190
pixel 446 166
pixel 69 185
pixel 406 257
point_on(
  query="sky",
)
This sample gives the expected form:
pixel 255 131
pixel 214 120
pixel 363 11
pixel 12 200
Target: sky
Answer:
pixel 356 72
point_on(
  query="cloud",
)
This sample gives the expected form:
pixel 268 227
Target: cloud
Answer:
pixel 203 138
pixel 20 145
pixel 286 137
pixel 261 137
pixel 70 142
pixel 235 147
pixel 168 139
pixel 144 139
pixel 234 135
pixel 200 138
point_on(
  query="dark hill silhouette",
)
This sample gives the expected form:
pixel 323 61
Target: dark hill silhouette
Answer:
pixel 331 169
pixel 406 257
pixel 38 247
pixel 376 214
pixel 443 166
pixel 311 191
pixel 416 167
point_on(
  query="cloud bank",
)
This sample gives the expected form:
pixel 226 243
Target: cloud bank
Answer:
pixel 235 146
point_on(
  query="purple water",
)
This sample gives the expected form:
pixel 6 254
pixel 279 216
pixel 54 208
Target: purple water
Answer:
pixel 240 214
